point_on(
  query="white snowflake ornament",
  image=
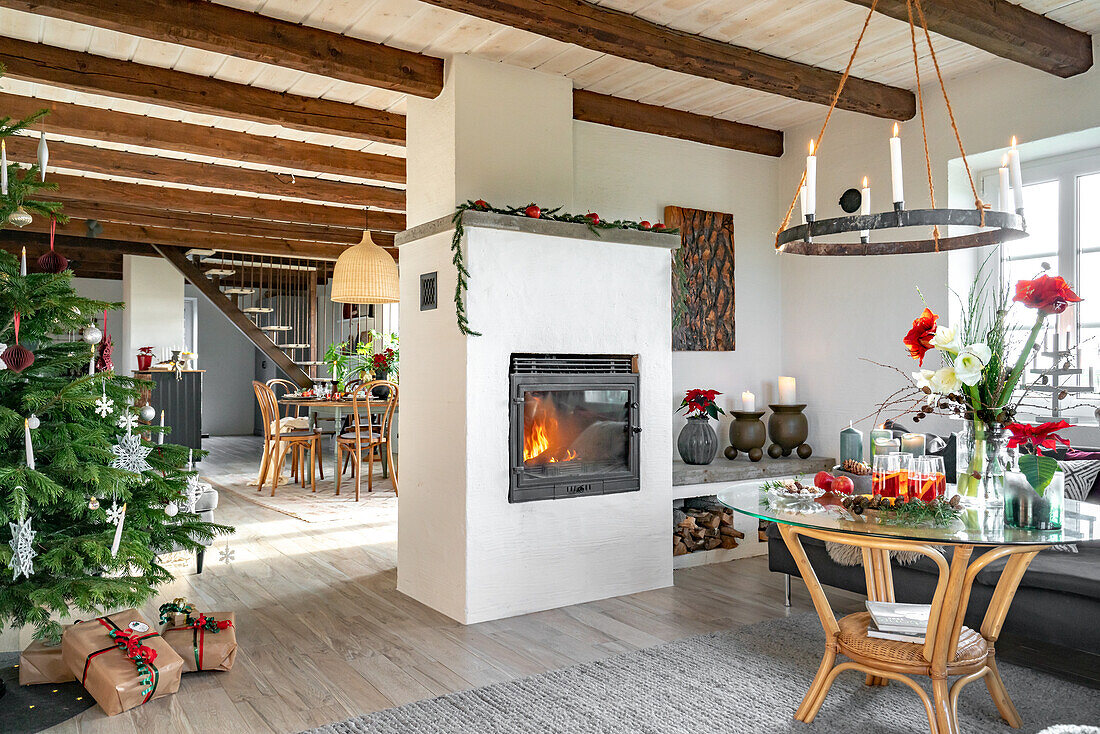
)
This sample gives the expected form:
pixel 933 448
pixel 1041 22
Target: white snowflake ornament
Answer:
pixel 104 406
pixel 195 489
pixel 115 513
pixel 227 554
pixel 131 455
pixel 23 553
pixel 127 422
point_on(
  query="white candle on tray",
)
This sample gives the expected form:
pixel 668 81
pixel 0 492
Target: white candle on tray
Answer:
pixel 865 208
pixel 895 167
pixel 811 182
pixel 786 391
pixel 1016 177
pixel 748 402
pixel 1005 203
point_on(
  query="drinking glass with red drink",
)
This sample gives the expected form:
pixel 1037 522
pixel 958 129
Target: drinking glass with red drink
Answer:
pixel 928 480
pixel 905 466
pixel 886 475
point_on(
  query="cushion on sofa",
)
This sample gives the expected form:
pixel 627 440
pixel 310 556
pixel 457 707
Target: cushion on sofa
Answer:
pixel 1067 573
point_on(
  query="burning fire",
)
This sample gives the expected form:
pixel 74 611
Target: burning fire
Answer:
pixel 539 428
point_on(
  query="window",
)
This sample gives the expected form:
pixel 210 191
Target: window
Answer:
pixel 1062 203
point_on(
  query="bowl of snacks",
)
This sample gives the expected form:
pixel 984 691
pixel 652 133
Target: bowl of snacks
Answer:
pixel 794 490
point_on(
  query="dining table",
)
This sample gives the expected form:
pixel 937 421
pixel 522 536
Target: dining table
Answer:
pixel 340 407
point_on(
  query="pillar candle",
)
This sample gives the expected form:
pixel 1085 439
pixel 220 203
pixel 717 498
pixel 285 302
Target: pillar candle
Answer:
pixel 880 431
pixel 786 391
pixel 27 443
pixel 851 444
pixel 1005 203
pixel 865 207
pixel 1016 178
pixel 913 443
pixel 748 401
pixel 895 167
pixel 886 446
pixel 811 182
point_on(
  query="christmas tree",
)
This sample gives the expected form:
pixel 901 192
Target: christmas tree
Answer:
pixel 86 502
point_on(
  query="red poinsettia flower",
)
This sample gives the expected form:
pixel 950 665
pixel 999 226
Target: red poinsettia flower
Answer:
pixel 1041 436
pixel 1046 294
pixel 701 402
pixel 919 339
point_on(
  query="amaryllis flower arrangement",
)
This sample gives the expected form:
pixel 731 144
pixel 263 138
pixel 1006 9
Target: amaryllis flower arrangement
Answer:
pixel 978 374
pixel 700 404
pixel 1038 469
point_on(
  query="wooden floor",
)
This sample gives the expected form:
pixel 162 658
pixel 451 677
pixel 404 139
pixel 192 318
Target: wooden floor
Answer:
pixel 325 635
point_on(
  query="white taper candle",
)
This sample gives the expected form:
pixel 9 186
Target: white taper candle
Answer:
pixel 1005 203
pixel 1015 177
pixel 895 167
pixel 27 443
pixel 865 207
pixel 811 182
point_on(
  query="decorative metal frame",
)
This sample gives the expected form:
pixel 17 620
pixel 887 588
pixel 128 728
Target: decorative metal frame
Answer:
pixel 1002 227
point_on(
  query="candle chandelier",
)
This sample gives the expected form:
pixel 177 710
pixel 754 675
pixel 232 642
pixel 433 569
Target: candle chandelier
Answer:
pixel 993 226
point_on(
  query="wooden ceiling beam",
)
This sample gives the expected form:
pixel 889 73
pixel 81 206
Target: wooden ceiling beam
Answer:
pixel 1003 29
pixel 173 170
pixel 606 110
pixel 627 36
pixel 107 214
pixel 225 30
pixel 162 197
pixel 151 132
pixel 84 72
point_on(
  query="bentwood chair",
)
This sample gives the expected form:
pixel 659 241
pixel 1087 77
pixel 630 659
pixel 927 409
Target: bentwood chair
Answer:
pixel 297 456
pixel 368 437
pixel 277 442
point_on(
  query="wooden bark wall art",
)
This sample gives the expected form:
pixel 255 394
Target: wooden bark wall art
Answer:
pixel 706 256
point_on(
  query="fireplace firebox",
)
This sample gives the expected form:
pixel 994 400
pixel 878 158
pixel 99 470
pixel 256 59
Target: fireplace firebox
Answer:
pixel 573 426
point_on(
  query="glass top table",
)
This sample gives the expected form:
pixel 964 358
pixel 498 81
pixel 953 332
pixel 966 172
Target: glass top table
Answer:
pixel 1080 521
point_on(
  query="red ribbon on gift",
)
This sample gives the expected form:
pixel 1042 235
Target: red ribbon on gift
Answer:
pixel 199 629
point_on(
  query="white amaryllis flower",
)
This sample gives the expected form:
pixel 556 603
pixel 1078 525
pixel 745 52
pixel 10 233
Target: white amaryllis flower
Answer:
pixel 945 381
pixel 923 378
pixel 970 363
pixel 947 339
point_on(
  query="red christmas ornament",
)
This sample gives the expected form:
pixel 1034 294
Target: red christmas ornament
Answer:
pixel 481 204
pixel 106 346
pixel 52 262
pixel 533 211
pixel 17 357
pixel 592 217
pixel 659 225
pixel 644 224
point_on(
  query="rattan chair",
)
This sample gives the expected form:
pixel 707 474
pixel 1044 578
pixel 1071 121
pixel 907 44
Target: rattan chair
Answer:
pixel 369 438
pixel 277 442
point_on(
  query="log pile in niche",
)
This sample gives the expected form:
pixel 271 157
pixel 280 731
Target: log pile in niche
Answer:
pixel 703 526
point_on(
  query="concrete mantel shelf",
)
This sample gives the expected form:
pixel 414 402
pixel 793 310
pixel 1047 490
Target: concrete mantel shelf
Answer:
pixel 549 227
pixel 740 470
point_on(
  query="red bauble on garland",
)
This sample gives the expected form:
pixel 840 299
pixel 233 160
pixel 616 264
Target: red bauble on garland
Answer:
pixel 52 261
pixel 533 211
pixel 592 217
pixel 17 357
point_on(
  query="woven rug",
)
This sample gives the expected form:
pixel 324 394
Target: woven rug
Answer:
pixel 321 506
pixel 745 680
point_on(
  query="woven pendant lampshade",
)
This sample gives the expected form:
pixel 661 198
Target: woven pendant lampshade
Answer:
pixel 365 273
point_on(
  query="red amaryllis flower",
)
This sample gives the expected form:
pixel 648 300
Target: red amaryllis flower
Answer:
pixel 919 339
pixel 1046 294
pixel 1041 436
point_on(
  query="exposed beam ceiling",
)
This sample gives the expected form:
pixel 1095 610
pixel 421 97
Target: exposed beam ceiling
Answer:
pixel 630 37
pixel 107 213
pixel 1003 29
pixel 178 199
pixel 253 36
pixel 152 132
pixel 36 62
pixel 174 170
pixel 600 108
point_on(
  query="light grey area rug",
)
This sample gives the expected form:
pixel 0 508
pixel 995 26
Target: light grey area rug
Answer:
pixel 746 680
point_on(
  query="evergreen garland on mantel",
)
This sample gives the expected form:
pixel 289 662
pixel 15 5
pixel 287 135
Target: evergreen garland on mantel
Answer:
pixel 532 211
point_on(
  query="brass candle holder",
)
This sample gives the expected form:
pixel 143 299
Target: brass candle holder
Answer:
pixel 747 434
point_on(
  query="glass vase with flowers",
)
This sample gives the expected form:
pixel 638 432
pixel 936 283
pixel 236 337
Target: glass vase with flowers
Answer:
pixel 697 442
pixel 979 374
pixel 1035 487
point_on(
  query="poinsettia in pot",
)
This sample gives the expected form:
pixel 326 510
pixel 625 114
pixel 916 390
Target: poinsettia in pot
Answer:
pixel 1035 489
pixel 979 376
pixel 698 443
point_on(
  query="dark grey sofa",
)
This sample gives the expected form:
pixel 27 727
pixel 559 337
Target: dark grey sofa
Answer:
pixel 1058 601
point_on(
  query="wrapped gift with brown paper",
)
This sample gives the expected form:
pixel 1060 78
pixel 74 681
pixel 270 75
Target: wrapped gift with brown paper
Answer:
pixel 42 663
pixel 177 612
pixel 207 642
pixel 121 660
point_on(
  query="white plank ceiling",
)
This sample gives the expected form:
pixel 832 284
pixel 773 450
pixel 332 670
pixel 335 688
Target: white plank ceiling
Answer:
pixel 818 32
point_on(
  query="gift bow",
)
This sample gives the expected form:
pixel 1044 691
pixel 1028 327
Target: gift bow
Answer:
pixel 208 624
pixel 132 647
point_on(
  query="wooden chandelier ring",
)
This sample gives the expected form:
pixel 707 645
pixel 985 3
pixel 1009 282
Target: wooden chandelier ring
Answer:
pixel 1001 227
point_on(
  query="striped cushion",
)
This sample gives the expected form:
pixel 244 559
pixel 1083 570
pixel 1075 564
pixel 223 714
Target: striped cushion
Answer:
pixel 1080 477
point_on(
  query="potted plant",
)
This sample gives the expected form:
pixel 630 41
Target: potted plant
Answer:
pixel 145 358
pixel 698 443
pixel 1035 488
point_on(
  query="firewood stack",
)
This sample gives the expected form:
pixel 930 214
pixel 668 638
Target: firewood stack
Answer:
pixel 703 525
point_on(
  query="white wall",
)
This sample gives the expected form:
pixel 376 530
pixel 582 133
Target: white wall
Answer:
pixel 153 292
pixel 837 310
pixel 631 175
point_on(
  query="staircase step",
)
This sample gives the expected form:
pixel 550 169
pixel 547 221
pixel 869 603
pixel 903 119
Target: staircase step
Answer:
pixel 293 346
pixel 311 364
pixel 258 309
pixel 218 272
pixel 239 291
pixel 276 328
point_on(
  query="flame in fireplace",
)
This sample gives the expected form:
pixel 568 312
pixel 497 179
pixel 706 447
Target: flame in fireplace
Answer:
pixel 540 432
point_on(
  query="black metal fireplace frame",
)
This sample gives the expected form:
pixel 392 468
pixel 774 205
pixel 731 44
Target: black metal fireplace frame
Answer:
pixel 525 487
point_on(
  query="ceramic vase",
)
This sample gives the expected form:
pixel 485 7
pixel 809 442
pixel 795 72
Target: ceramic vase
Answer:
pixel 697 443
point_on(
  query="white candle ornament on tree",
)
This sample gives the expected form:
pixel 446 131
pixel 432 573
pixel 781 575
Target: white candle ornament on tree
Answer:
pixel 118 528
pixel 28 447
pixel 3 168
pixel 23 262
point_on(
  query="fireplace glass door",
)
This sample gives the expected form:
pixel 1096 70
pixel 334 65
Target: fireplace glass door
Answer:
pixel 573 435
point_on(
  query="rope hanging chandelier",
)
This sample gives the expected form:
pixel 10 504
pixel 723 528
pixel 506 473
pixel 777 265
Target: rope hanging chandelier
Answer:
pixel 993 226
